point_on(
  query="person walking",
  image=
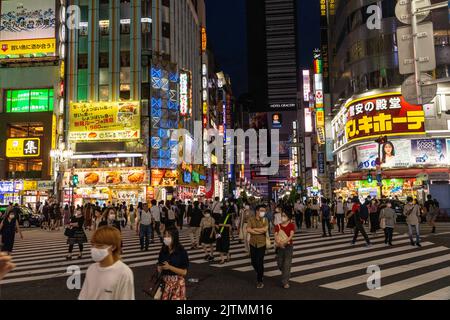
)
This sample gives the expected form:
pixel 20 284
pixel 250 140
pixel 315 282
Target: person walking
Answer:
pixel 156 218
pixel 132 216
pixel 308 214
pixel 387 221
pixel 325 216
pixel 75 234
pixel 299 209
pixel 108 278
pixel 88 213
pixel 340 210
pixel 223 230
pixel 6 264
pixel 173 264
pixel 258 227
pixel 246 213
pixel 8 229
pixel 207 234
pixel 181 214
pixel 52 214
pixel 315 213
pixel 358 222
pixel 66 215
pixel 194 219
pixel 284 233
pixel 144 227
pixel 412 213
pixel 432 212
pixel 374 216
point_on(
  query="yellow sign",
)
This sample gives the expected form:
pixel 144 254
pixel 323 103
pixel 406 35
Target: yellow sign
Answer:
pixel 23 147
pixel 205 108
pixel 320 118
pixel 204 39
pixel 62 69
pixel 100 121
pixel 30 185
pixel 34 46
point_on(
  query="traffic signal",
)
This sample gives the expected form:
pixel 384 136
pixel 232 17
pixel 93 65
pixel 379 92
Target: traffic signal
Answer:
pixel 75 180
pixel 369 177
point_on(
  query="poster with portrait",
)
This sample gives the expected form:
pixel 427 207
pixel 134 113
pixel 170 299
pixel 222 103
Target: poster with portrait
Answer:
pixel 367 155
pixel 347 161
pixel 429 151
pixel 396 154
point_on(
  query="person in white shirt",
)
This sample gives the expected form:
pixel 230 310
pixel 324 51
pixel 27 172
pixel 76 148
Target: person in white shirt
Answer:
pixel 156 214
pixel 216 207
pixel 299 210
pixel 108 278
pixel 340 211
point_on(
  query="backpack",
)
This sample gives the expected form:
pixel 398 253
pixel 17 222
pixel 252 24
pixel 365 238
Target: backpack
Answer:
pixel 363 212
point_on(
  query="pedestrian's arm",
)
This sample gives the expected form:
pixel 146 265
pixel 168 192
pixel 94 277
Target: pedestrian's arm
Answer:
pixel 18 229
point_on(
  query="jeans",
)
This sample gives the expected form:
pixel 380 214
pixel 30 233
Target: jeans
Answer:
pixel 284 261
pixel 360 228
pixel 156 229
pixel 194 233
pixel 145 232
pixel 340 217
pixel 299 219
pixel 326 222
pixel 257 258
pixel 388 232
pixel 410 231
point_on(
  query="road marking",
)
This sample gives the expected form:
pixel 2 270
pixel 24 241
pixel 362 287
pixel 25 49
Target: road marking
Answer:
pixel 441 294
pixel 406 284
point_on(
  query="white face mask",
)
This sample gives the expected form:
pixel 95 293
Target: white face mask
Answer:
pixel 262 214
pixel 99 255
pixel 167 241
pixel 247 207
pixel 112 217
pixel 284 219
pixel 207 215
pixel 389 205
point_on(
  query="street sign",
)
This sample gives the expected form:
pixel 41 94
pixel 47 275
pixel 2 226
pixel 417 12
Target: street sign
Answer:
pixel 321 163
pixel 403 10
pixel 426 56
pixel 409 89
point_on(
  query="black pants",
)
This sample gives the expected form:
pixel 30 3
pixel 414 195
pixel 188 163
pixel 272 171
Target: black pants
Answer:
pixel 388 232
pixel 360 228
pixel 308 220
pixel 340 217
pixel 80 246
pixel 257 257
pixel 180 221
pixel 326 222
pixel 156 230
pixel 299 219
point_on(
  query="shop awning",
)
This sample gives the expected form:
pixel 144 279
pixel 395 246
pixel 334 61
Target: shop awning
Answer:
pixel 390 174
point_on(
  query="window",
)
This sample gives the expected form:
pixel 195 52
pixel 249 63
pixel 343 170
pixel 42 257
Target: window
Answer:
pixel 30 100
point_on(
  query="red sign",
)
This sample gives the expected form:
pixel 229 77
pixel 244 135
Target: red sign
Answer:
pixel 388 115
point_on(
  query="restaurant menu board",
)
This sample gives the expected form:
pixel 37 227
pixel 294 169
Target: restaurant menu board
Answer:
pixel 429 152
pixel 104 121
pixel 108 177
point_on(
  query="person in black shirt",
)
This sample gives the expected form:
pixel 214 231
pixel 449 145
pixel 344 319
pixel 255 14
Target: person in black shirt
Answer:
pixel 76 234
pixel 194 219
pixel 432 211
pixel 173 262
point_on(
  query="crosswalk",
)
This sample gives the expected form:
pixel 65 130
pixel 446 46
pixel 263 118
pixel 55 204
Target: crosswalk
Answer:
pixel 329 263
pixel 421 273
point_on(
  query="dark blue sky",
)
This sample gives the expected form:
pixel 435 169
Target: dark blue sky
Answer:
pixel 227 36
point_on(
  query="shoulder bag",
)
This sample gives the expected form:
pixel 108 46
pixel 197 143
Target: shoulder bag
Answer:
pixel 155 286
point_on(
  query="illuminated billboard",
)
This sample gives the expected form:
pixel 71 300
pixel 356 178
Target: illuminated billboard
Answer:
pixel 386 114
pixel 29 100
pixel 27 28
pixel 102 121
pixel 23 147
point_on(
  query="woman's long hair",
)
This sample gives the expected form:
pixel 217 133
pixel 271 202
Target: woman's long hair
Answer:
pixel 383 160
pixel 176 244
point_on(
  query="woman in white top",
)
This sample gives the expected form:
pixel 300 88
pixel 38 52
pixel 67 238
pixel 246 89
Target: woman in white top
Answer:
pixel 109 278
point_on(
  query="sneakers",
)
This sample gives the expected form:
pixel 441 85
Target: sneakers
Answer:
pixel 260 285
pixel 368 245
pixel 418 244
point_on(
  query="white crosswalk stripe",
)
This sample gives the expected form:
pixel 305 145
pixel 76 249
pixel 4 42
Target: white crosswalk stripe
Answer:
pixel 333 264
pixel 441 294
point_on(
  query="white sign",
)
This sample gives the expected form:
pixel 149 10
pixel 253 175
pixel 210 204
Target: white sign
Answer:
pixel 396 154
pixel 184 93
pixel 306 85
pixel 308 120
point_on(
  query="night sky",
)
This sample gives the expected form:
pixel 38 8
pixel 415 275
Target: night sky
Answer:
pixel 227 36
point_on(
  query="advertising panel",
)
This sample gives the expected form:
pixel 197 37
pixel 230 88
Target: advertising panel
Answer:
pixel 32 100
pixel 386 114
pixel 27 27
pixel 108 177
pixel 366 156
pixel 23 147
pixel 277 120
pixel 306 85
pixel 164 178
pixel 396 154
pixel 100 121
pixel 429 152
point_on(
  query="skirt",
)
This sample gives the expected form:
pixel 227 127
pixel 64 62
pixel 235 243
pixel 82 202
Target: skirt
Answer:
pixel 174 288
pixel 78 237
pixel 223 243
pixel 205 236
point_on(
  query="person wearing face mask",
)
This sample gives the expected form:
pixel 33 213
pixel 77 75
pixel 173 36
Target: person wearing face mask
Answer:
pixel 144 227
pixel 207 234
pixel 412 213
pixel 387 220
pixel 299 210
pixel 8 229
pixel 173 264
pixel 258 227
pixel 76 234
pixel 108 278
pixel 374 216
pixel 284 232
pixel 110 219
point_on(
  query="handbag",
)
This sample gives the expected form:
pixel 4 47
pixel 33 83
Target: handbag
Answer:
pixel 383 223
pixel 69 232
pixel 282 236
pixel 156 286
pixel 333 220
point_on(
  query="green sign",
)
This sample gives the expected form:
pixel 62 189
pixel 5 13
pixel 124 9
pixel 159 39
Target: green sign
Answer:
pixel 30 100
pixel 195 177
